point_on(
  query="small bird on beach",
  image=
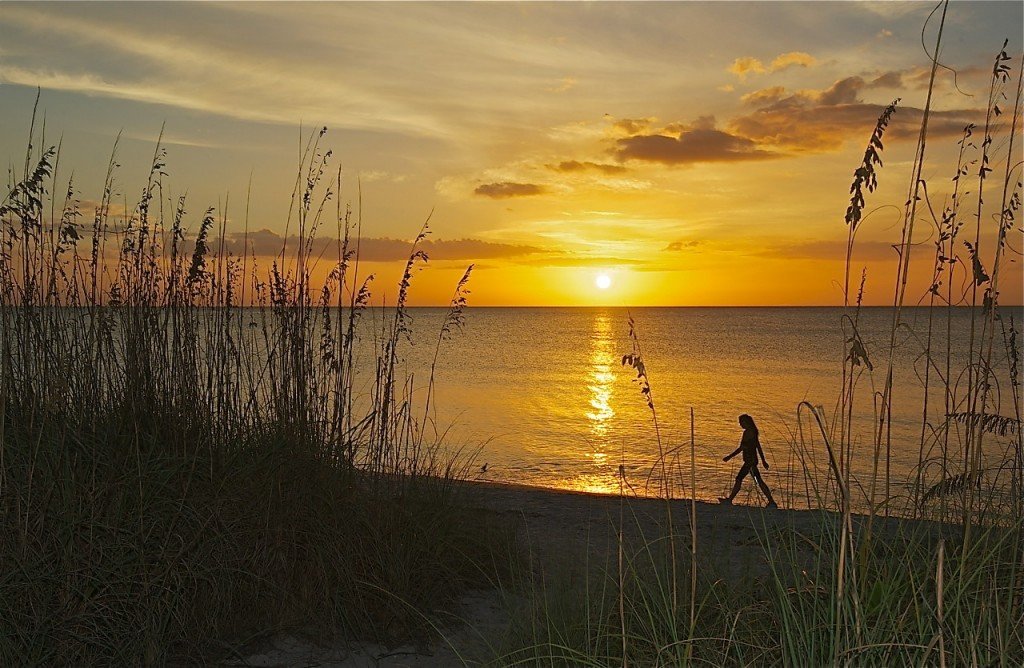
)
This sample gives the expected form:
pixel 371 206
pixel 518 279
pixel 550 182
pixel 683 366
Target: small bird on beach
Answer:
pixel 483 469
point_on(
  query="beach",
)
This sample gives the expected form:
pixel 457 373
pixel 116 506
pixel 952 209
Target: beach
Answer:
pixel 566 534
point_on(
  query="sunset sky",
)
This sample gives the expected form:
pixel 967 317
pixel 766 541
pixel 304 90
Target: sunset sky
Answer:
pixel 691 153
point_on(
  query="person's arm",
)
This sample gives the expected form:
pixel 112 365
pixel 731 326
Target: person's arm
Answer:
pixel 760 451
pixel 735 452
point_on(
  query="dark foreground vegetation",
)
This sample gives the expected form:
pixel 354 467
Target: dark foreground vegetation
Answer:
pixel 180 475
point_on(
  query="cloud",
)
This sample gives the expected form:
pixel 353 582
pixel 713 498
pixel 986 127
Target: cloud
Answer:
pixel 89 207
pixel 631 126
pixel 697 142
pixel 792 59
pixel 844 91
pixel 563 85
pixel 741 67
pixel 507 189
pixel 888 80
pixel 676 246
pixel 764 96
pixel 179 70
pixel 891 10
pixel 826 249
pixel 820 120
pixel 577 166
pixel 171 139
pixel 267 243
pixel 575 260
pixel 746 65
pixel 918 78
pixel 381 175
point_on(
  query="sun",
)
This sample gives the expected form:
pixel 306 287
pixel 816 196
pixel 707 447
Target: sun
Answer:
pixel 603 281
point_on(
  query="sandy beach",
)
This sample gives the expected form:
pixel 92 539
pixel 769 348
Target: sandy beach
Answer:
pixel 559 531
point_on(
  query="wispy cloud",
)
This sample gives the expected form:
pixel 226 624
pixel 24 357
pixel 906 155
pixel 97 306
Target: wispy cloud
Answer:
pixel 863 251
pixel 382 175
pixel 578 260
pixel 172 69
pixel 562 86
pixel 267 243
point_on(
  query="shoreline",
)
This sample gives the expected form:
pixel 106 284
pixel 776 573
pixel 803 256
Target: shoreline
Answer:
pixel 557 517
pixel 575 533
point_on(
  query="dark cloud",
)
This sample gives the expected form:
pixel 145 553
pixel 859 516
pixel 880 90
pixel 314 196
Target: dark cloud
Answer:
pixel 844 91
pixel 888 80
pixel 577 166
pixel 824 120
pixel 941 124
pixel 798 125
pixel 266 243
pixel 682 245
pixel 507 189
pixel 698 143
pixel 918 78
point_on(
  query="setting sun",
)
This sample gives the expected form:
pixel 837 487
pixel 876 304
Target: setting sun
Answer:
pixel 603 281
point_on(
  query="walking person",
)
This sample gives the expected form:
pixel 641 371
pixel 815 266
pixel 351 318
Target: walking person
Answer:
pixel 750 446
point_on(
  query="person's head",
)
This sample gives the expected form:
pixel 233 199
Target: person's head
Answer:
pixel 747 422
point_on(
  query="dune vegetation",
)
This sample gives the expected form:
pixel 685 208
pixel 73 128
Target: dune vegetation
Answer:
pixel 182 473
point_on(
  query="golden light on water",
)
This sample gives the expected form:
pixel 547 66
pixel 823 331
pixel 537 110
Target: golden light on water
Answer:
pixel 600 381
pixel 601 378
pixel 598 483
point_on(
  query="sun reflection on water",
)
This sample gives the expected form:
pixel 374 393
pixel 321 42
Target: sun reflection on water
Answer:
pixel 600 382
pixel 601 378
pixel 595 483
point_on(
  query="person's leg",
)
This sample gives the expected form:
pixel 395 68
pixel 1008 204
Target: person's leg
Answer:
pixel 739 481
pixel 763 485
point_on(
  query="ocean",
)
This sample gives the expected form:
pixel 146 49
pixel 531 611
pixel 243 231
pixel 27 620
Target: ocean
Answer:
pixel 540 396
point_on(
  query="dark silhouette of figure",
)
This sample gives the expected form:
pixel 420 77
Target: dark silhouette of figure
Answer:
pixel 750 446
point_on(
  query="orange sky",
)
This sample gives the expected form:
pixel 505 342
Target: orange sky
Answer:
pixel 693 153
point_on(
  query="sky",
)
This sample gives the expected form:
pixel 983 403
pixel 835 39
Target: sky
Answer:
pixel 684 153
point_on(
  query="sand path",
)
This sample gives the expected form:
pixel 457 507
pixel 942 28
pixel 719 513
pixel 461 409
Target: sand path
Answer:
pixel 558 528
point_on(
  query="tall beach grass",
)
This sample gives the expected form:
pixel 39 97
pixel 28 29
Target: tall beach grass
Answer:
pixel 186 462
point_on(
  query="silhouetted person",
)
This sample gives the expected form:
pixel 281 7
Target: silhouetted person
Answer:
pixel 750 446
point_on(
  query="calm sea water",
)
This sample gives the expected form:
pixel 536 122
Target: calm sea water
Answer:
pixel 541 395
